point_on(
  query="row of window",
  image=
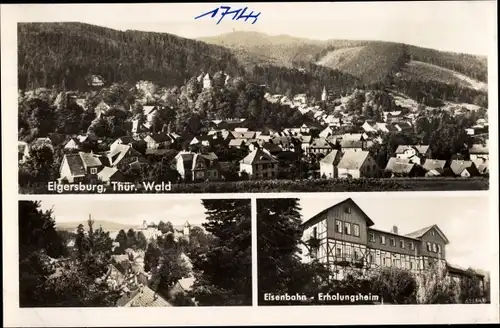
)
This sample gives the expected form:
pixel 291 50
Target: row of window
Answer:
pixel 347 228
pixel 383 241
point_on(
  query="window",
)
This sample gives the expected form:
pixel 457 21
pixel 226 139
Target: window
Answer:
pixel 347 228
pixel 410 265
pixel 396 263
pixel 412 246
pixel 429 247
pixel 433 232
pixel 338 252
pixel 338 226
pixel 356 229
pixel 93 170
pixel 347 210
pixel 382 240
pixel 384 261
pixel 434 248
pixel 402 243
pixel 439 249
pixel 393 242
pixel 315 232
pixel 371 236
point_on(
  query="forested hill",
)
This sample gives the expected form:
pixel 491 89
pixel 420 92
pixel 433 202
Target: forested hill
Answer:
pixel 65 53
pixel 368 60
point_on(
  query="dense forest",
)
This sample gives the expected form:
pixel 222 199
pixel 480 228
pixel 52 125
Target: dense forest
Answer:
pixel 65 53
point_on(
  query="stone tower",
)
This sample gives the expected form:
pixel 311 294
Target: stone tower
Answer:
pixel 187 229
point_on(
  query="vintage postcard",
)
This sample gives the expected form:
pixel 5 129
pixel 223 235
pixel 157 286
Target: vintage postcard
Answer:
pixel 164 107
pixel 142 253
pixel 250 163
pixel 337 250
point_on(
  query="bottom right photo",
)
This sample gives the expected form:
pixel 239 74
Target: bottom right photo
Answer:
pixel 391 248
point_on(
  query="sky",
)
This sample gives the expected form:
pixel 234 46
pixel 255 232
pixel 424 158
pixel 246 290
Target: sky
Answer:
pixel 459 26
pixel 463 219
pixel 126 211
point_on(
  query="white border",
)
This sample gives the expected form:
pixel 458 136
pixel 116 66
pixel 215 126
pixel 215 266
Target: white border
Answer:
pixel 14 316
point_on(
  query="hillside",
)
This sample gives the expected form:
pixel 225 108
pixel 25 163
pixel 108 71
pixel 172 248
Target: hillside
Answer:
pixel 65 53
pixel 106 225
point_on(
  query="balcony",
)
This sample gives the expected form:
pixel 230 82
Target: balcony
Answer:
pixel 313 242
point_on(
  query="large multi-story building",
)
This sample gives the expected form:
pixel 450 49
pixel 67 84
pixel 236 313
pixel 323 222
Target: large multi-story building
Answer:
pixel 343 239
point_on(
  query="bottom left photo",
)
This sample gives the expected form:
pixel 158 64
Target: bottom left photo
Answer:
pixel 156 252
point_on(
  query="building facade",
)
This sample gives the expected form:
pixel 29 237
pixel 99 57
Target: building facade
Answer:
pixel 342 238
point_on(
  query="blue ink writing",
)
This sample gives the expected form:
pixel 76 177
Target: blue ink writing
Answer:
pixel 226 11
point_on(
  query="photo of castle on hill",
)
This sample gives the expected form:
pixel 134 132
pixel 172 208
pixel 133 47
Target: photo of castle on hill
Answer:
pixel 105 110
pixel 92 254
pixel 349 254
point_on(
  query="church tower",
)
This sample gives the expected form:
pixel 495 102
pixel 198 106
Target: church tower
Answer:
pixel 187 229
pixel 323 94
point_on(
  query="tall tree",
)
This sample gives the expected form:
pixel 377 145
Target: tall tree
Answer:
pixel 230 224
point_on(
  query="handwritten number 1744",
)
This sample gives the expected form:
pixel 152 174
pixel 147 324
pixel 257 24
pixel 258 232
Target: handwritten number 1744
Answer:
pixel 226 11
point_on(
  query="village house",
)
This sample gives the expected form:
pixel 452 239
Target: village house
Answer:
pixel 482 165
pixel 259 164
pixel 159 140
pixel 101 108
pixel 72 144
pixel 305 142
pixel 328 165
pixel 343 238
pixel 207 81
pixel 414 153
pixel 327 132
pixel 402 167
pixel 464 169
pixel 110 174
pixel 350 144
pixel 79 167
pixel 320 146
pixel 197 166
pixel 95 81
pixel 357 164
pixel 125 140
pixel 478 151
pixel 122 154
pixel 434 167
pixel 23 151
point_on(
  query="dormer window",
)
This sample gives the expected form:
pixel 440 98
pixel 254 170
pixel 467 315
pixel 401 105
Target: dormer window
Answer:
pixel 347 210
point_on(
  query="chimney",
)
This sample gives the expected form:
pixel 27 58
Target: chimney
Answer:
pixel 395 230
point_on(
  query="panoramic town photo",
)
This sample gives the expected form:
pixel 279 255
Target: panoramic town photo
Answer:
pixel 140 108
pixel 366 250
pixel 123 253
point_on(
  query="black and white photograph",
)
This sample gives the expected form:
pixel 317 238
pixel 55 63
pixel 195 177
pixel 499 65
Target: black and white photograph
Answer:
pixel 147 253
pixel 373 250
pixel 302 163
pixel 244 105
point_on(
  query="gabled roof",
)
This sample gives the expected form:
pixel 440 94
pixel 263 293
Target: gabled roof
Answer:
pixel 351 143
pixel 332 157
pixel 106 173
pixel 434 164
pixel 458 166
pixel 89 159
pixel 161 137
pixel 126 139
pixel 419 233
pixel 421 149
pixel 320 143
pixel 258 156
pixel 399 165
pixel 482 165
pixel 369 221
pixel 353 160
pixel 236 142
pixel 243 135
pixel 478 149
